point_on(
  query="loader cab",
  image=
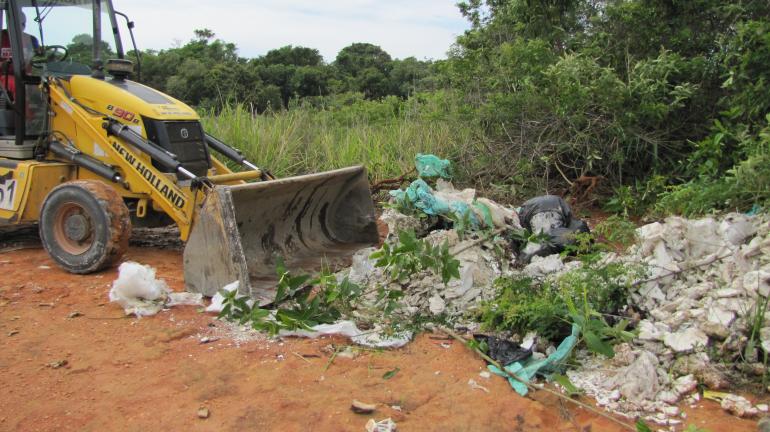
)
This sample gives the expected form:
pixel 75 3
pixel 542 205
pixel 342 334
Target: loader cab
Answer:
pixel 48 38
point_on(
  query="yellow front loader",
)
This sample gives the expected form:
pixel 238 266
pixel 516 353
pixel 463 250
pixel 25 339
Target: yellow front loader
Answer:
pixel 85 153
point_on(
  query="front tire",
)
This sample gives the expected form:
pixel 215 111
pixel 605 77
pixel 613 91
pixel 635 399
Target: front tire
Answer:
pixel 84 226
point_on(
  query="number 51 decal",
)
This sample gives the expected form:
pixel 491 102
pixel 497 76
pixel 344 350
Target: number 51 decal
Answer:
pixel 7 193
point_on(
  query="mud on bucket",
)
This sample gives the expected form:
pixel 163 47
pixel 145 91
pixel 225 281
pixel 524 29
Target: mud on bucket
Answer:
pixel 308 220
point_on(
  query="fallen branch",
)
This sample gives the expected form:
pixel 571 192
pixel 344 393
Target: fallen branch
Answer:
pixel 382 184
pixel 680 271
pixel 534 388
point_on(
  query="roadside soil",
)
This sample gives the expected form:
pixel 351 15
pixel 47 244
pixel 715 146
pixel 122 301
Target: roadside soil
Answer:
pixel 102 371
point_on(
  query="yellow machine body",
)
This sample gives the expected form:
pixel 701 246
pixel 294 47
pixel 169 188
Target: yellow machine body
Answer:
pixel 235 230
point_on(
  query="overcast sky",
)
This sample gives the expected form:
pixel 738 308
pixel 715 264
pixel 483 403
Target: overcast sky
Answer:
pixel 403 28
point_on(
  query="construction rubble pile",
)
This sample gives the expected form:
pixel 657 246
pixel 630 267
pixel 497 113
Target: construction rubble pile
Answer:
pixel 707 279
pixel 704 290
pixel 703 281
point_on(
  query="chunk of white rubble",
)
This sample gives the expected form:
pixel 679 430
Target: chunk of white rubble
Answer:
pixel 639 381
pixel 704 238
pixel 437 305
pixel 764 337
pixel 668 397
pixel 184 299
pixel 138 291
pixel 397 221
pixel 757 282
pixel 543 266
pixel 362 266
pixel 685 385
pixel 736 228
pixel 717 315
pixel 685 340
pixel 739 406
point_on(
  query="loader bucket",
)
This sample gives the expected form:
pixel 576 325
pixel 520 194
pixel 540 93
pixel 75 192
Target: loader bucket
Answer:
pixel 307 220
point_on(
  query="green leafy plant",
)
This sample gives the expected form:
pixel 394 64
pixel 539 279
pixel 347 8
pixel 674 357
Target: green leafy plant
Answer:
pixel 617 230
pixel 301 302
pixel 412 255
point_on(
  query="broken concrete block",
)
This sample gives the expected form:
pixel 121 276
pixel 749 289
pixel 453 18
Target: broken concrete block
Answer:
pixel 543 266
pixel 718 315
pixel 639 381
pixel 686 340
pixel 685 385
pixel 437 305
pixel 739 406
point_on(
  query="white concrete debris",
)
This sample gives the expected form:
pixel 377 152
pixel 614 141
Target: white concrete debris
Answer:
pixel 686 340
pixel 739 405
pixel 138 291
pixel 705 278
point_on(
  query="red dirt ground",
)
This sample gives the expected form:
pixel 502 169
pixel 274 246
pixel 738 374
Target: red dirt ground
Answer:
pixel 127 374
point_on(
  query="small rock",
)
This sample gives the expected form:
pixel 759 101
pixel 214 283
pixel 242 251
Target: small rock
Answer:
pixel 13 333
pixel 58 364
pixel 639 381
pixel 437 305
pixel 208 339
pixel 668 397
pixel 685 385
pixel 686 340
pixel 359 407
pixel 670 411
pixel 762 407
pixel 203 413
pixel 74 314
pixel 739 406
pixel 715 330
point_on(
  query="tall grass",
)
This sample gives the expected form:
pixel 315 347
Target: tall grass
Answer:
pixel 382 135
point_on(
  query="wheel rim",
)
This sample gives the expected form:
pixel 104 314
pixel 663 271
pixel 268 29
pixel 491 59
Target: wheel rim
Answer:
pixel 72 229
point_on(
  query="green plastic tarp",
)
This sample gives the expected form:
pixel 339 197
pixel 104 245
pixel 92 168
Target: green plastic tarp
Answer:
pixel 528 369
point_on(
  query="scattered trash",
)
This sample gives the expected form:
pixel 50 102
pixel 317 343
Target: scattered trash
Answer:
pixel 13 333
pixel 374 338
pixel 203 413
pixel 58 364
pixel 184 299
pixel 552 216
pixel 138 291
pixel 74 314
pixel 359 407
pixel 431 166
pixel 217 300
pixel 390 374
pixel 207 339
pixel 485 374
pixel 504 351
pixel 476 386
pixel 386 425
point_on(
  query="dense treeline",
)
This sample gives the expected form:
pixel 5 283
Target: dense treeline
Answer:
pixel 208 72
pixel 664 103
pixel 667 97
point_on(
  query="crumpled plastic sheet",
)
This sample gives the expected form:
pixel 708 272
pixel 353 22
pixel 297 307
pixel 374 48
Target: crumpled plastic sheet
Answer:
pixel 547 366
pixel 423 197
pixel 138 291
pixel 217 300
pixel 431 166
pixel 375 338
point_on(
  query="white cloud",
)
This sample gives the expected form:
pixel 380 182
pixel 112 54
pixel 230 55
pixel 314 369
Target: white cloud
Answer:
pixel 423 29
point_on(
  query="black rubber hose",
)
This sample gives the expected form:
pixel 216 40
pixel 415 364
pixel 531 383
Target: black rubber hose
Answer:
pixel 83 160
